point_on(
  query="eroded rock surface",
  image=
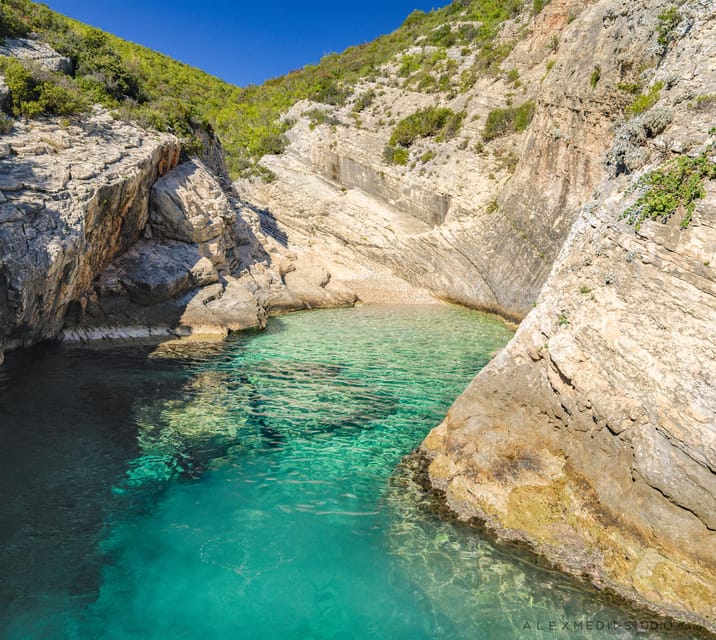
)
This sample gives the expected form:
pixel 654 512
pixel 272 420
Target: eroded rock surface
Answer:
pixel 203 267
pixel 593 434
pixel 36 51
pixel 73 198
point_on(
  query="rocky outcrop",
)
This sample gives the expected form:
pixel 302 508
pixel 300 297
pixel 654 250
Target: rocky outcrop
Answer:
pixel 592 436
pixel 103 234
pixel 37 52
pixel 71 200
pixel 202 268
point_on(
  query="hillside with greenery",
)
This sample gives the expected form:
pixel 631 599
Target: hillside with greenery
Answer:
pixel 156 91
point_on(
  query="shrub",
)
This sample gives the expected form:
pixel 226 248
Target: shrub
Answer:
pixel 330 92
pixel 596 75
pixel 645 101
pixel 491 55
pixel 395 154
pixel 6 124
pixel 443 36
pixel 10 24
pixel 35 91
pixel 674 186
pixel 634 88
pixel 429 122
pixel 704 102
pixel 427 156
pixel 363 101
pixel 500 122
pixel 320 116
pixel 668 21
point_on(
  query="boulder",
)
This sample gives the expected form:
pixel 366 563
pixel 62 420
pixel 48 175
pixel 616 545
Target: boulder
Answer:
pixel 189 205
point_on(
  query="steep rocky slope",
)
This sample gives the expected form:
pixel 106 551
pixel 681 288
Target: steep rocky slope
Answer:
pixel 107 230
pixel 593 435
pixel 456 218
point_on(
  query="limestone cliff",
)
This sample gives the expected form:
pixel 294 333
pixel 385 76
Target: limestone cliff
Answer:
pixel 72 199
pixel 108 231
pixel 593 435
pixel 461 214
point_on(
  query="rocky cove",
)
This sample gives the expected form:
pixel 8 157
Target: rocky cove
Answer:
pixel 592 436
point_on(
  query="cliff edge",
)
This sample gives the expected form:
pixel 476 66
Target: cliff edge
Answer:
pixel 592 436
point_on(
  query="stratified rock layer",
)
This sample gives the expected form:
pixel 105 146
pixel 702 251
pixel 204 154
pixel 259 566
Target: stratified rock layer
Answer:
pixel 593 434
pixel 72 199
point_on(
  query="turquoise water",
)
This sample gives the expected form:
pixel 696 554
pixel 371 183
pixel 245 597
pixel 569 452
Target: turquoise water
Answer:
pixel 255 490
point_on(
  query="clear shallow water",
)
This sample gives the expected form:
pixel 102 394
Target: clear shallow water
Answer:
pixel 254 490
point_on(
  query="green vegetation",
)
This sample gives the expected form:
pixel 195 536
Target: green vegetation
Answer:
pixel 500 122
pixel 430 122
pixel 134 82
pixel 396 155
pixel 596 75
pixel 490 57
pixel 363 101
pixel 6 123
pixel 675 186
pixel 704 102
pixel 11 26
pixel 668 21
pixel 585 290
pixel 427 156
pixel 36 91
pixel 645 101
pixel 156 91
pixel 319 116
pixel 633 88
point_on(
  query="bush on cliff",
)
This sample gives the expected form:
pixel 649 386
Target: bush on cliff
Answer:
pixel 500 122
pixel 429 122
pixel 35 91
pixel 675 186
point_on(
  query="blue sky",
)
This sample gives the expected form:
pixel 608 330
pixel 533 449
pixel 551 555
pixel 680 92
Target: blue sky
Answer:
pixel 244 42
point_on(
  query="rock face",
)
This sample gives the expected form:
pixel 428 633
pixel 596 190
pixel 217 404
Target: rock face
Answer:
pixel 36 51
pixel 593 435
pixel 203 268
pixel 103 234
pixel 72 199
pixel 461 215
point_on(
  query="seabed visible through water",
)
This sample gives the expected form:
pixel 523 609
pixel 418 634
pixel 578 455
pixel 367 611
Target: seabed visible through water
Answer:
pixel 254 489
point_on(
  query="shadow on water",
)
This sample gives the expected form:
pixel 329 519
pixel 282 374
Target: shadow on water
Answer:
pixel 67 430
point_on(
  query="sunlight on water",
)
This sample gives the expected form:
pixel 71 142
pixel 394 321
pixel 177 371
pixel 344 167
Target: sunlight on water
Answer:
pixel 250 490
